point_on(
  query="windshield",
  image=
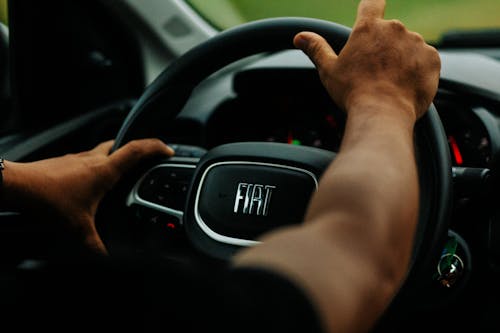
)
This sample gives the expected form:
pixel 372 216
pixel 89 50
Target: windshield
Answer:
pixel 3 11
pixel 431 18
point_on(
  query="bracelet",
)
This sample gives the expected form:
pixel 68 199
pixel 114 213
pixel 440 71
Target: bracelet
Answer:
pixel 2 166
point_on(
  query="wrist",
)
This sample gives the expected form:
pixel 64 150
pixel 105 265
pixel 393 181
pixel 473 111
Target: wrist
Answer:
pixel 21 188
pixel 11 185
pixel 388 103
pixel 372 116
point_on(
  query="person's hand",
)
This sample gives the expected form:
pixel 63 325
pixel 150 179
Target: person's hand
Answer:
pixel 71 187
pixel 381 60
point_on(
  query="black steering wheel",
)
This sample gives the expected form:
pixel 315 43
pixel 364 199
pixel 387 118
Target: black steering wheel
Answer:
pixel 241 190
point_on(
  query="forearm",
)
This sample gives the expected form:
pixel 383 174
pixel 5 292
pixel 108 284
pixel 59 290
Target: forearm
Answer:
pixel 352 253
pixel 365 181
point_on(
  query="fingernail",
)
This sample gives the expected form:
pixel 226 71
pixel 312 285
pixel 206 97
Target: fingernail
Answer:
pixel 301 42
pixel 171 150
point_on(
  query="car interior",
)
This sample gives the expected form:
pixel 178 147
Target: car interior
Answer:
pixel 245 114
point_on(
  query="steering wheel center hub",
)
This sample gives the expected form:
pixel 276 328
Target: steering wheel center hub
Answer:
pixel 238 201
pixel 242 190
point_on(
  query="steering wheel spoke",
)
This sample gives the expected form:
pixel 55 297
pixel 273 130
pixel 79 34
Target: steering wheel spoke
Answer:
pixel 164 188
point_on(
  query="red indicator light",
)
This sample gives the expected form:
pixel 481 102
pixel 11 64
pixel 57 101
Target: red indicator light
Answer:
pixel 290 137
pixel 331 121
pixel 170 225
pixel 455 150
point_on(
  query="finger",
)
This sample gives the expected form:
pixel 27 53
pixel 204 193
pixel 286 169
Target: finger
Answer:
pixel 370 10
pixel 135 151
pixel 316 48
pixel 104 147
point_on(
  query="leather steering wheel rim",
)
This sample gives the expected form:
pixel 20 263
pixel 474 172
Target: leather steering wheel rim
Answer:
pixel 171 90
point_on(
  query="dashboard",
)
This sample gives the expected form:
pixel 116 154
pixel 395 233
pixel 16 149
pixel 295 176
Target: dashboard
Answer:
pixel 469 131
pixel 279 98
pixel 310 119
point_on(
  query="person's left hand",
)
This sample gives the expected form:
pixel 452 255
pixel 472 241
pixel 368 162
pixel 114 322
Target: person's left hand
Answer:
pixel 72 186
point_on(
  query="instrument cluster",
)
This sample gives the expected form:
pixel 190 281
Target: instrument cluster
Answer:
pixel 313 120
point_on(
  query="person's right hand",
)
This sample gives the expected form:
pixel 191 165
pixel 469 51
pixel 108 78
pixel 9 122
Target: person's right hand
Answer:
pixel 381 59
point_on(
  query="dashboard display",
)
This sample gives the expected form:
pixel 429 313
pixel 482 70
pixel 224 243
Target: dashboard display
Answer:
pixel 305 115
pixel 468 138
pixel 321 131
pixel 314 122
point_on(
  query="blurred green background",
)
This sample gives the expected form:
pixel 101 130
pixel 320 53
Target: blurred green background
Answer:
pixel 428 17
pixel 3 11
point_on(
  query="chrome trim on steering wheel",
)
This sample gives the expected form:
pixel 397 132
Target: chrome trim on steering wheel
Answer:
pixel 232 240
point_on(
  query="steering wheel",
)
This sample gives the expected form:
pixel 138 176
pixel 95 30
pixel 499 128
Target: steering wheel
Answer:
pixel 241 190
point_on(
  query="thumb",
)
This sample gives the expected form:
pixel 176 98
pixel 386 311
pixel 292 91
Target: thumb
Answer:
pixel 316 48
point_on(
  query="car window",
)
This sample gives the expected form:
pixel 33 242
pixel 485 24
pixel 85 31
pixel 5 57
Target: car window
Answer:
pixel 431 18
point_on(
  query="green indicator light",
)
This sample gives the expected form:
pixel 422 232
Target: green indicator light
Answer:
pixel 296 142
